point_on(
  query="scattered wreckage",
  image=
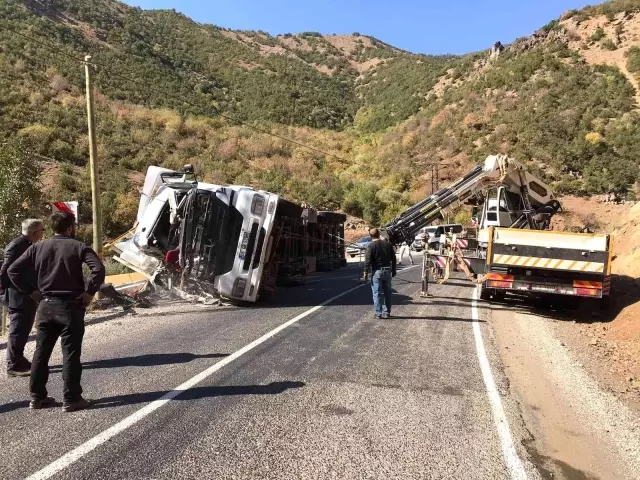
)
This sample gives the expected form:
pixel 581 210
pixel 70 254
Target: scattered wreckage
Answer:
pixel 235 242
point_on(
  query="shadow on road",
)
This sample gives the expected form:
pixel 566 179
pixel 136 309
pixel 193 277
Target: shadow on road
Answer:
pixel 625 291
pixel 149 360
pixel 197 393
pixel 436 318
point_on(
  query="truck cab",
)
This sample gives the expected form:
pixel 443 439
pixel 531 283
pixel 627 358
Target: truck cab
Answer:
pixel 501 208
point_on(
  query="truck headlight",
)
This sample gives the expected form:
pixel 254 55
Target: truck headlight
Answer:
pixel 238 287
pixel 257 204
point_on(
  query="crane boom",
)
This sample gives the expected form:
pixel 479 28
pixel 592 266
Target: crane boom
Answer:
pixel 498 170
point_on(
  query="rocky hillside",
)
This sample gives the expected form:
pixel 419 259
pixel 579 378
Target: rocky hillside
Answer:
pixel 305 79
pixel 172 91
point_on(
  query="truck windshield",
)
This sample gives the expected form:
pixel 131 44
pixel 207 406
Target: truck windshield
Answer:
pixel 209 235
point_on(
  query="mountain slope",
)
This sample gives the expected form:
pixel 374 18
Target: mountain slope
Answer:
pixel 381 115
pixel 304 79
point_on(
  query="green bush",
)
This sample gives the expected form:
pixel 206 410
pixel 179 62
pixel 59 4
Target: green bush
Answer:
pixel 552 25
pixel 633 59
pixel 608 44
pixel 114 267
pixel 19 191
pixel 598 35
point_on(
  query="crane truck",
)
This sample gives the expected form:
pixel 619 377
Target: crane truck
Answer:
pixel 513 249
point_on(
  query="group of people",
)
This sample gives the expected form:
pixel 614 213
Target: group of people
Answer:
pixel 43 281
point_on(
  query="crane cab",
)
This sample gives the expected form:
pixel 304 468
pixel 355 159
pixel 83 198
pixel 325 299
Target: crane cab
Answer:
pixel 501 208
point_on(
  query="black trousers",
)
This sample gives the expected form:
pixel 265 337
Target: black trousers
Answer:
pixel 22 312
pixel 64 319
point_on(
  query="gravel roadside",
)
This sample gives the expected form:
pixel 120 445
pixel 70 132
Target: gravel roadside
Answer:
pixel 579 429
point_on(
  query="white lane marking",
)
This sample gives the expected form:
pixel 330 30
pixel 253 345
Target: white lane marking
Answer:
pixel 514 464
pixel 80 451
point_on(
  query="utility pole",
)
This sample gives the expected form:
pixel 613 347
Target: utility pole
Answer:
pixel 434 178
pixel 95 184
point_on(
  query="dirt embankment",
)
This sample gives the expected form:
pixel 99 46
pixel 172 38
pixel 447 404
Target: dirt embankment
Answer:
pixel 576 374
pixel 355 229
pixel 610 342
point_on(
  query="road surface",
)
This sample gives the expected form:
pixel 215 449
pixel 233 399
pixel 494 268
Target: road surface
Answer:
pixel 335 393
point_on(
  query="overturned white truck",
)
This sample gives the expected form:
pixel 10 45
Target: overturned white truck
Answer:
pixel 234 239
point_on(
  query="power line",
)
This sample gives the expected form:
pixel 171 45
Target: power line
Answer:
pixel 45 45
pixel 223 115
pixel 183 100
pixel 188 102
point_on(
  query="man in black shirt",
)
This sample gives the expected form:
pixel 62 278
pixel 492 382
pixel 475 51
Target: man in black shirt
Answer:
pixel 380 259
pixel 22 308
pixel 53 269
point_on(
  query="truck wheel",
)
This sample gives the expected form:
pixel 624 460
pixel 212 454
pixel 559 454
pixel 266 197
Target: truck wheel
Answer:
pixel 605 303
pixel 500 295
pixel 483 293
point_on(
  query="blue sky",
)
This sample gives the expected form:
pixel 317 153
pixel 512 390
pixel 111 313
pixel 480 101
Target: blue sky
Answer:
pixel 422 26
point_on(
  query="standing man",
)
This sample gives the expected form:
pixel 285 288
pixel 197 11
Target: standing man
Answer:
pixel 53 269
pixel 406 248
pixel 380 259
pixel 22 308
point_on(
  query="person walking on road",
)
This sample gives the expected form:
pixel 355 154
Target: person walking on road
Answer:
pixel 406 249
pixel 22 308
pixel 52 269
pixel 380 260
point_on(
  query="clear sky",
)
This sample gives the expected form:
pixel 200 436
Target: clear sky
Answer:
pixel 421 26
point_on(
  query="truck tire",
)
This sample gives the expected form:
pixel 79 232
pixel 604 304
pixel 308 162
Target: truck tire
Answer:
pixel 499 295
pixel 483 293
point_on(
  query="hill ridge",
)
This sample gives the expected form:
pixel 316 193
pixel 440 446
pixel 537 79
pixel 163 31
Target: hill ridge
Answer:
pixel 388 113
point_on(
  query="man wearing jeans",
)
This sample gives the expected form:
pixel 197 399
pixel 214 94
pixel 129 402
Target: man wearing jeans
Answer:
pixel 380 260
pixel 52 269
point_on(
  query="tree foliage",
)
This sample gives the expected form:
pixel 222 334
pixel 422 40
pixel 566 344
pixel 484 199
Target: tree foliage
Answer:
pixel 19 193
pixel 369 107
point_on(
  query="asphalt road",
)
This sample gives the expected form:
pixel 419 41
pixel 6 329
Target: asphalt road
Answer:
pixel 337 394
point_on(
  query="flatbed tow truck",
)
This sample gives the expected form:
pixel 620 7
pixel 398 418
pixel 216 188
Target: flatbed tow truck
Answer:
pixel 512 249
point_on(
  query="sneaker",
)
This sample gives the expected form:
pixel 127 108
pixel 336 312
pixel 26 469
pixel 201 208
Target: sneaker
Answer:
pixel 77 405
pixel 42 403
pixel 386 315
pixel 19 372
pixel 377 316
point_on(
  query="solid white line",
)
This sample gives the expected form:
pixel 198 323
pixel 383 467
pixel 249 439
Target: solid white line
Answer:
pixel 80 451
pixel 514 464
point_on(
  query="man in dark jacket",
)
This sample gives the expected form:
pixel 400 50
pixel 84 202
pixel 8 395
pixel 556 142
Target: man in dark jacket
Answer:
pixel 380 260
pixel 54 269
pixel 22 308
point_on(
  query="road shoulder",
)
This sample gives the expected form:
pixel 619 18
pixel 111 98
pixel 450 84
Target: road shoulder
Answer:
pixel 578 430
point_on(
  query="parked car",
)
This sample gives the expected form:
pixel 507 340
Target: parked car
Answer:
pixel 434 233
pixel 417 244
pixel 359 247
